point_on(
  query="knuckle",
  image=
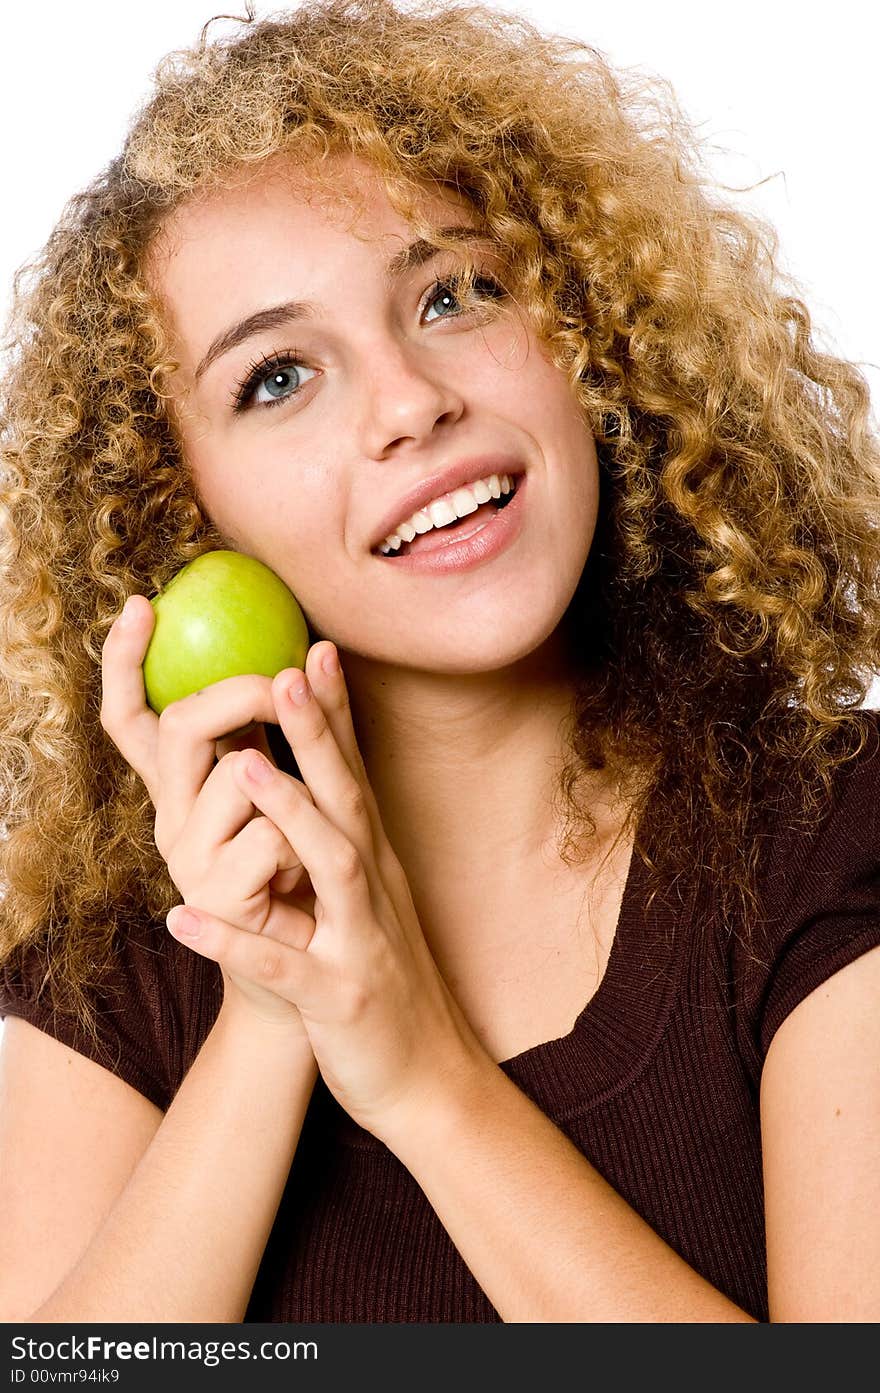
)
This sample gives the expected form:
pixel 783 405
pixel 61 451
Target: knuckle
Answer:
pixel 259 690
pixel 181 870
pixel 354 802
pixel 342 707
pixel 355 1000
pixel 347 864
pixel 267 834
pixel 159 836
pixel 174 870
pixel 391 870
pixel 269 966
pixel 108 714
pixel 173 716
pixel 315 737
pixel 177 870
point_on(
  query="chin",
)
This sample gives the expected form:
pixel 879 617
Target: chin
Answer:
pixel 491 639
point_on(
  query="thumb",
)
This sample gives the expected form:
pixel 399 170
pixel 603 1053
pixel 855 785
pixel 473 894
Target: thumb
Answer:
pixel 292 973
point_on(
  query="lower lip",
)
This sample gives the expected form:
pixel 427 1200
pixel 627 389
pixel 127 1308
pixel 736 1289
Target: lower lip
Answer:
pixel 493 537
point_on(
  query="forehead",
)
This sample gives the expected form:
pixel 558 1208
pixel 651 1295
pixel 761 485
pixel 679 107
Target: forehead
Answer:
pixel 345 195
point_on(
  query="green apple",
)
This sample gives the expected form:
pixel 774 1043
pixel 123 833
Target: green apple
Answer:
pixel 222 615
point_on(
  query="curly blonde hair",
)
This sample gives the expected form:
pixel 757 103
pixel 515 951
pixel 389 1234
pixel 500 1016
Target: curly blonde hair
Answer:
pixel 728 616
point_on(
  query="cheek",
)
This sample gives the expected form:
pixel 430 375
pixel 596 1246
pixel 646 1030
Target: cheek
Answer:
pixel 284 514
pixel 514 369
pixel 225 498
pixel 250 494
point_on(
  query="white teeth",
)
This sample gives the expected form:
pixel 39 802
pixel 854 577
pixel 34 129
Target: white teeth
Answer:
pixel 464 501
pixel 441 513
pixel 482 492
pixel 446 510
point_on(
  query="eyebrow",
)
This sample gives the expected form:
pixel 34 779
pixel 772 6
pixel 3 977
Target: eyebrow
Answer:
pixel 277 316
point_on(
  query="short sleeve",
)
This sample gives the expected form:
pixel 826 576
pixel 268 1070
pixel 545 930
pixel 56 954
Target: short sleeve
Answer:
pixel 821 904
pixel 152 1010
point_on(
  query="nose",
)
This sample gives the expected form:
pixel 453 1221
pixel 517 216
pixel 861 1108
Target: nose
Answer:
pixel 407 393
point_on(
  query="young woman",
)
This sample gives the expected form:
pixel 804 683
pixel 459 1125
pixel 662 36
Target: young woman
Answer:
pixel 536 961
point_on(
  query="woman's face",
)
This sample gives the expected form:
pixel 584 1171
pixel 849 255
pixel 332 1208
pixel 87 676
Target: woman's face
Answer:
pixel 395 380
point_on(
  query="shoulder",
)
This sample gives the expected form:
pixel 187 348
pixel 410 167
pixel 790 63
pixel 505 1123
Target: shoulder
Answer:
pixel 820 1139
pixel 848 815
pixel 820 900
pixel 153 1004
pixel 817 1030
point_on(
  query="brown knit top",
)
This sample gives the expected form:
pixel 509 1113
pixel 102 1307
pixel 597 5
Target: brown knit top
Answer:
pixel 657 1083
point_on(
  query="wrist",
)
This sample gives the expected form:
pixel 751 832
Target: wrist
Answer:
pixel 441 1111
pixel 253 1032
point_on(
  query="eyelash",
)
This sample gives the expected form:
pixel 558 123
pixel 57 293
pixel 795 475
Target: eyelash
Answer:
pixel 277 362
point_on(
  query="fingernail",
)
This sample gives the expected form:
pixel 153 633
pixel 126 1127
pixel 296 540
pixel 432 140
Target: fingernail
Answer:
pixel 183 921
pixel 299 691
pixel 258 769
pixel 330 662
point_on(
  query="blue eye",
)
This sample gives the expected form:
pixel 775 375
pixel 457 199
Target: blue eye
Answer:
pixel 444 294
pixel 282 373
pixel 444 290
pixel 276 371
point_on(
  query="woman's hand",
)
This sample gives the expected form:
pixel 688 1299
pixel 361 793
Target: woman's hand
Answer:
pixel 221 853
pixel 383 1026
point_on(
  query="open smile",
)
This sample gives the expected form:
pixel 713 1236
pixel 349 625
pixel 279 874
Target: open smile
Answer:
pixel 470 541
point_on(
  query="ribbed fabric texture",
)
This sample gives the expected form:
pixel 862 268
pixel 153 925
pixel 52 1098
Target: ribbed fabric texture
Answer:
pixel 657 1084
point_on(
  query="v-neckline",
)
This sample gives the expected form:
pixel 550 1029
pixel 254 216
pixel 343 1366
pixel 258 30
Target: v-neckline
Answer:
pixel 623 1021
pixel 618 1027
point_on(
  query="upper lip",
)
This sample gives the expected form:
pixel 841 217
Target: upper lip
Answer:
pixel 456 476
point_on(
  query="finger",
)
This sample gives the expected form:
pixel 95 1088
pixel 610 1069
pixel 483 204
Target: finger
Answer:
pixel 128 720
pixel 332 693
pixel 220 812
pixel 236 889
pixel 188 733
pixel 246 865
pixel 285 882
pixel 334 864
pixel 292 973
pixel 336 792
pixel 131 724
pixel 219 815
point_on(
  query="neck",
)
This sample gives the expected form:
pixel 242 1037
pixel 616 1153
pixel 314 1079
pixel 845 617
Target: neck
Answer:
pixel 465 769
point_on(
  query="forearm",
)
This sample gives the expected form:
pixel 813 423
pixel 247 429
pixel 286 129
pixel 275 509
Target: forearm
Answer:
pixel 544 1234
pixel 185 1238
